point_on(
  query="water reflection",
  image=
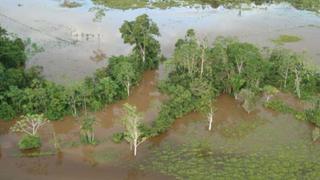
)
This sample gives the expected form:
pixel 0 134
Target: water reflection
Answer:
pixel 56 28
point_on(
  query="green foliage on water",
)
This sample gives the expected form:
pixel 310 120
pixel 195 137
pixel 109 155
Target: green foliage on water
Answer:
pixel 282 39
pixel 240 128
pixel 36 154
pixel 118 137
pixel 70 4
pixel 29 142
pixel 106 156
pixel 279 106
pixel 311 5
pixel 200 161
pixel 123 4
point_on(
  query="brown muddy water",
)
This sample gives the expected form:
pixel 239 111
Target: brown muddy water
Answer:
pixel 74 48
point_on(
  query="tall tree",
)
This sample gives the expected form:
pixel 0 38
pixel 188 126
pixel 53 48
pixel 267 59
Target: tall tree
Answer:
pixel 132 121
pixel 123 70
pixel 141 33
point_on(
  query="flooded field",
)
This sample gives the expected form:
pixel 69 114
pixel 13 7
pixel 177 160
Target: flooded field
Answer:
pixel 76 44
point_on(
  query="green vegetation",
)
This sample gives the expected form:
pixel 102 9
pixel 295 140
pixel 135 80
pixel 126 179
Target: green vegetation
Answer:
pixel 70 4
pixel 282 39
pixel 200 73
pixel 126 4
pixel 87 130
pixel 29 142
pixel 240 128
pixel 311 5
pixel 36 154
pixel 25 91
pixel 200 161
pixel 29 125
pixel 132 122
pixel 141 33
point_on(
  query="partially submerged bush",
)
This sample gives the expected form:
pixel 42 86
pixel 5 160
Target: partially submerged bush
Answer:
pixel 118 137
pixel 29 142
pixel 87 130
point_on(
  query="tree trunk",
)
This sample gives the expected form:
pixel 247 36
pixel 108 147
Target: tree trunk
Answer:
pixel 210 119
pixel 239 67
pixel 135 144
pixel 285 78
pixel 128 88
pixel 297 83
pixel 202 62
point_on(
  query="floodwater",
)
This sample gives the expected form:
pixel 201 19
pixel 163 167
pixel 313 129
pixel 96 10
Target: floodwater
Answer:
pixel 76 45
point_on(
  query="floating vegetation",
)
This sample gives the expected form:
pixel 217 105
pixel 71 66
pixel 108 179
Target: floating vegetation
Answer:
pixel 311 5
pixel 70 4
pixel 282 39
pixel 241 128
pixel 36 154
pixel 194 161
pixel 106 156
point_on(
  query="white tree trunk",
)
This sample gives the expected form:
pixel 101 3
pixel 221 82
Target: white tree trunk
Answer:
pixel 210 119
pixel 135 145
pixel 297 83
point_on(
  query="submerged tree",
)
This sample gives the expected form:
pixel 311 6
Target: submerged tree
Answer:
pixel 87 130
pixel 270 91
pixel 248 98
pixel 132 122
pixel 123 70
pixel 205 99
pixel 29 125
pixel 141 33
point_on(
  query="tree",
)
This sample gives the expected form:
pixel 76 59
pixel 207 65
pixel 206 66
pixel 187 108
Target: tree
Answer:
pixel 281 60
pixel 204 94
pixel 123 71
pixel 141 33
pixel 270 91
pixel 187 54
pixel 241 54
pixel 248 98
pixel 29 124
pixel 132 121
pixel 87 130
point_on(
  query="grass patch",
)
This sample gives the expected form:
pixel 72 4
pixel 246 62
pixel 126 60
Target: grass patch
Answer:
pixel 282 39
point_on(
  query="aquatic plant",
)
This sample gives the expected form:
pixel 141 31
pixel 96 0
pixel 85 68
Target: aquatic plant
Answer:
pixel 29 142
pixel 282 39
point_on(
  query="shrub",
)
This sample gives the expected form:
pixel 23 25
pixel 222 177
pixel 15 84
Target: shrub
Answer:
pixel 6 112
pixel 118 137
pixel 29 142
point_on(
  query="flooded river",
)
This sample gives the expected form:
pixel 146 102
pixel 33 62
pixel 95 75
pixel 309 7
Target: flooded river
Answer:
pixel 76 44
